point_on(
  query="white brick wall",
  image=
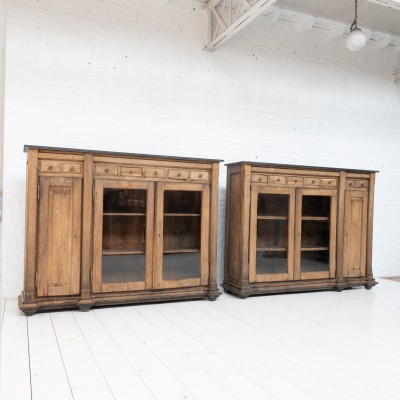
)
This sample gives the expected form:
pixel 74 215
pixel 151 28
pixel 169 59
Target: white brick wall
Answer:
pixel 130 75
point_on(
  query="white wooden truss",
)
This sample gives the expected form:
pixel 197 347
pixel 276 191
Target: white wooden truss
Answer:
pixel 227 17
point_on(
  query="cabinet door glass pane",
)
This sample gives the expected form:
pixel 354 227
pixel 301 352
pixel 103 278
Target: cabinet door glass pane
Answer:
pixel 124 201
pixel 124 236
pixel 273 205
pixel 181 235
pixel 315 233
pixel 272 233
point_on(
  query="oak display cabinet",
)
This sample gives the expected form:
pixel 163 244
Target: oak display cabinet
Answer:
pixel 114 228
pixel 294 228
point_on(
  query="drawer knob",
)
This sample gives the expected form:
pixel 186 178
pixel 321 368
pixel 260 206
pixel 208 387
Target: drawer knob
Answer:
pixel 278 180
pixel 72 169
pixel 50 167
pixel 329 182
pixel 155 173
pixel 259 179
pixel 362 185
pixel 313 181
pixel 295 181
pixel 201 175
pixel 179 174
pixel 106 170
pixel 130 171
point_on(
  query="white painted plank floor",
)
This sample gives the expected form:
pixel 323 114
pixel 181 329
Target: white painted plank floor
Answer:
pixel 317 345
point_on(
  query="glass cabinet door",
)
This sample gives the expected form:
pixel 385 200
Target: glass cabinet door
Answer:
pixel 123 226
pixel 181 235
pixel 271 232
pixel 315 234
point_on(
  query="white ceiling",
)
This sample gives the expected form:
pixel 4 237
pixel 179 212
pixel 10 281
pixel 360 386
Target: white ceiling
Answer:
pixel 370 15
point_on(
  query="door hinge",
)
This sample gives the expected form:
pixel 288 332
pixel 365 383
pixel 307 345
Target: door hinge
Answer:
pixel 91 277
pixel 36 279
pixel 93 193
pixel 38 192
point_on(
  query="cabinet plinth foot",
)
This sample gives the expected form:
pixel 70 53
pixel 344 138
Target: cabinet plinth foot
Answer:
pixel 29 313
pixel 370 284
pixel 85 305
pixel 27 309
pixel 213 294
pixel 340 287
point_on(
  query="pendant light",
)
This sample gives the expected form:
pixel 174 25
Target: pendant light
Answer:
pixel 356 39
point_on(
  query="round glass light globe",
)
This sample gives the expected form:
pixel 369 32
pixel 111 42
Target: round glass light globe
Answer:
pixel 356 40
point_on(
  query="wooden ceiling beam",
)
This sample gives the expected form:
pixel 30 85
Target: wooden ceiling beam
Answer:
pixel 228 17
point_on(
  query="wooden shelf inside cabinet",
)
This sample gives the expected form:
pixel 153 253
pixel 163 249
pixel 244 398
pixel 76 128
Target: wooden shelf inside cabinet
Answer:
pixel 272 218
pixel 121 252
pixel 181 251
pixel 105 245
pixel 323 248
pixel 279 249
pixel 181 215
pixel 326 219
pixel 122 214
pixel 304 235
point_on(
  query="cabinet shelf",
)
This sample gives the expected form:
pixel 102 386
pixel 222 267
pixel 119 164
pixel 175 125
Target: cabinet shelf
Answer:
pixel 121 252
pixel 320 248
pixel 272 249
pixel 181 251
pixel 327 219
pixel 124 214
pixel 181 215
pixel 273 218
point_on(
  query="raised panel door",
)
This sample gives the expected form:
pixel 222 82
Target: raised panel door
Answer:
pixel 59 236
pixel 355 233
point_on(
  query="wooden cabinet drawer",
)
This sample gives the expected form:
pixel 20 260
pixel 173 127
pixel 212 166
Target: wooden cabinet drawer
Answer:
pixel 277 179
pixel 295 180
pixel 49 166
pixel 328 182
pixel 130 171
pixel 199 175
pixel 350 183
pixel 178 174
pixel 259 178
pixel 155 173
pixel 313 181
pixel 72 168
pixel 106 170
pixel 361 184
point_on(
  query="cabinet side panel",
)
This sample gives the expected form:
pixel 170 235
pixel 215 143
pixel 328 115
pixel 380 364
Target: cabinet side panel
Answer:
pixel 59 237
pixel 355 233
pixel 31 226
pixel 235 211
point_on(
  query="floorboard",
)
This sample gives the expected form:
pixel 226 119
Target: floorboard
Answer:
pixel 304 346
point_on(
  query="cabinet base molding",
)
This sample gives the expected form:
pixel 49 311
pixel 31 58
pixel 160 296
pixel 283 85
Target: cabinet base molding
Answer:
pixel 293 286
pixel 104 299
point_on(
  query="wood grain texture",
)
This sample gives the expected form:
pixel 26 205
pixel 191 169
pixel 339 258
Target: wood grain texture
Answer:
pixel 122 250
pixel 59 236
pixel 319 247
pixel 370 232
pixel 355 233
pixel 31 226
